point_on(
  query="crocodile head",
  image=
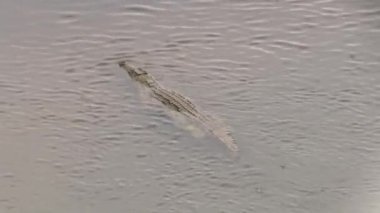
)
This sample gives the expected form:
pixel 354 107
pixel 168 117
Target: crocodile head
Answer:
pixel 133 72
pixel 138 74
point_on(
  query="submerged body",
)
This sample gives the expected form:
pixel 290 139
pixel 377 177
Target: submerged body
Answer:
pixel 179 103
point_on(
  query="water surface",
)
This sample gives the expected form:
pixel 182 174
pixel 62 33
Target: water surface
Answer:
pixel 297 81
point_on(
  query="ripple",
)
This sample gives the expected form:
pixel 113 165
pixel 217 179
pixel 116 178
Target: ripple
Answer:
pixel 142 9
pixel 68 17
pixel 290 44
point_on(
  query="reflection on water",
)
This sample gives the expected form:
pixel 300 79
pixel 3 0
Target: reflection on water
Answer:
pixel 297 81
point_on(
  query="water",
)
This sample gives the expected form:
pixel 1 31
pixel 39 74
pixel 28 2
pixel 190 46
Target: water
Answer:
pixel 297 81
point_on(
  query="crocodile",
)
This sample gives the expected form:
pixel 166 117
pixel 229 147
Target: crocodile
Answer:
pixel 181 104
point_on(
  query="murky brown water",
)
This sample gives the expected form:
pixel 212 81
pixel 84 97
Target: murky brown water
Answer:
pixel 298 82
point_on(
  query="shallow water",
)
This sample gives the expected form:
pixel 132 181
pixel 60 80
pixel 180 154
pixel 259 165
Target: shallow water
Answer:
pixel 297 81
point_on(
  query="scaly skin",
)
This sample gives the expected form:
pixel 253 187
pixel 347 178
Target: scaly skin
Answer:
pixel 179 103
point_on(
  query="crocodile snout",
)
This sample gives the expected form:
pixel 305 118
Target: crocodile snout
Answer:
pixel 121 63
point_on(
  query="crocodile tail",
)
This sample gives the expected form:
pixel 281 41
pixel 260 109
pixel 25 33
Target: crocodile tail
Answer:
pixel 219 130
pixel 224 135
